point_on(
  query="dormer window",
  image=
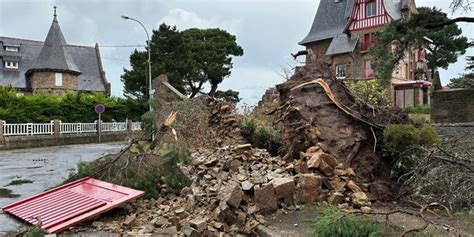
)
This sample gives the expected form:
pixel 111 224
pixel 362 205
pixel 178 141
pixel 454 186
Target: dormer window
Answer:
pixel 11 65
pixel 11 49
pixel 371 9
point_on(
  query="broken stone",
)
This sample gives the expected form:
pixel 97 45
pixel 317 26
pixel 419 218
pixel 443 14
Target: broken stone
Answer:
pixel 322 146
pixel 336 184
pixel 231 194
pixel 330 159
pixel 360 199
pixel 198 224
pixel 247 185
pixel 284 187
pixel 235 164
pixel 190 231
pixel 147 229
pixel 335 198
pixel 301 167
pixel 161 222
pixel 326 169
pixel 265 198
pixel 353 186
pixel 130 219
pixel 169 231
pixel 315 160
pixel 310 185
pixel 365 209
pixel 225 214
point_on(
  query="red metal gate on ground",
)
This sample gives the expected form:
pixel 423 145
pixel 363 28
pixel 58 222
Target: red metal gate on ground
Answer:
pixel 70 204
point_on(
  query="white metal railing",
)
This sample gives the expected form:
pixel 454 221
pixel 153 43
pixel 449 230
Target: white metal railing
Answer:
pixel 27 129
pixel 30 129
pixel 114 127
pixel 67 128
pixel 136 126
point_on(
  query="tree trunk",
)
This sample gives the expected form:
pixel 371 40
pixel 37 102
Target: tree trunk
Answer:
pixel 213 90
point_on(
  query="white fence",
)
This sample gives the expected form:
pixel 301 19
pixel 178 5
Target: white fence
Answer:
pixel 30 129
pixel 114 127
pixel 27 129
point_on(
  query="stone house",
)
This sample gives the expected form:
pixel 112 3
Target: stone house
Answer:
pixel 51 66
pixel 341 34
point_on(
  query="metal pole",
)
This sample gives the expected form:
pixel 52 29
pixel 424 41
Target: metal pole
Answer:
pixel 100 128
pixel 150 89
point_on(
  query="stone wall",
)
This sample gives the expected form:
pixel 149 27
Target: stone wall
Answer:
pixel 18 142
pixel 453 106
pixel 46 82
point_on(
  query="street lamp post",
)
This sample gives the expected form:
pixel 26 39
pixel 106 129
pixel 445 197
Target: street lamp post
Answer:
pixel 150 90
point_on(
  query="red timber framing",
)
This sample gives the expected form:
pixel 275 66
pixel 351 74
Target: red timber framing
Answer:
pixel 359 19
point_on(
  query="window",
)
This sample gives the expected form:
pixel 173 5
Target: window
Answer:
pixel 370 9
pixel 340 71
pixel 369 40
pixel 59 79
pixel 369 73
pixel 11 49
pixel 11 65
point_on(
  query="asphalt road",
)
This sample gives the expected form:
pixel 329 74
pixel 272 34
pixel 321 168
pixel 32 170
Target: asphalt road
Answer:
pixel 46 167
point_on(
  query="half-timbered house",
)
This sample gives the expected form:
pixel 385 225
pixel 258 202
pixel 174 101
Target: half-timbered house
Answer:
pixel 343 31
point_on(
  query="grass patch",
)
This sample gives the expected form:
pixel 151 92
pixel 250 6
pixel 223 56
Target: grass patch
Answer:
pixel 19 182
pixel 7 193
pixel 333 222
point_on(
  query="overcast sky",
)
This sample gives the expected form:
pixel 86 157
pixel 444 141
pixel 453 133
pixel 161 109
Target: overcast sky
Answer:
pixel 268 30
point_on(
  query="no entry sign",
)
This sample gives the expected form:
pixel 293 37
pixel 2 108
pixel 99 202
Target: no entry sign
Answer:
pixel 100 108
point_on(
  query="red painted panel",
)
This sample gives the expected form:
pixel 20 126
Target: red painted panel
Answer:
pixel 70 204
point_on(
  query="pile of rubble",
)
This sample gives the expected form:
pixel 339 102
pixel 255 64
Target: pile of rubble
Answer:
pixel 235 186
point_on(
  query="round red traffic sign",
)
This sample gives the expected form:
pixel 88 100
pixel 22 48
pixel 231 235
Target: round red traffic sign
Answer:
pixel 100 108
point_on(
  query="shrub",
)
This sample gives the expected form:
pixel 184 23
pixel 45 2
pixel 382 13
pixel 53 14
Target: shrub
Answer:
pixel 368 91
pixel 248 126
pixel 77 107
pixel 261 136
pixel 401 143
pixel 332 222
pixel 419 109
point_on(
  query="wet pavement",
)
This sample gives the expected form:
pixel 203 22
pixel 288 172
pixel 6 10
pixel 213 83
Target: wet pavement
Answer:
pixel 47 167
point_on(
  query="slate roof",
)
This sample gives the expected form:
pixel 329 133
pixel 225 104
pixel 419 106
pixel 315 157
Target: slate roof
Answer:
pixel 85 58
pixel 342 44
pixel 54 56
pixel 332 17
pixel 330 20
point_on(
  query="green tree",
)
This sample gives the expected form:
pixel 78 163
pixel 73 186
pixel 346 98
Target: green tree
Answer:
pixel 447 41
pixel 211 55
pixel 167 52
pixel 466 80
pixel 190 58
pixel 411 33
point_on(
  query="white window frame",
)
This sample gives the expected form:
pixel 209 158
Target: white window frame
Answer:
pixel 58 78
pixel 11 65
pixel 371 9
pixel 11 49
pixel 341 71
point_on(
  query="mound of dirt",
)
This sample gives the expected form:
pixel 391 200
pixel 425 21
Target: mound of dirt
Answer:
pixel 310 117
